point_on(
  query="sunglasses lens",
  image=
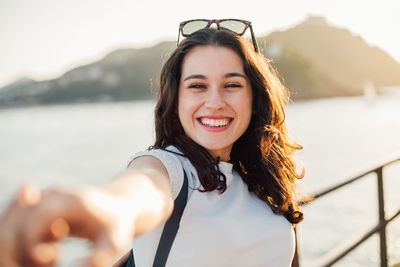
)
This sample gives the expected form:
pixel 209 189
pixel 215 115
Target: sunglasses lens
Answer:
pixel 193 26
pixel 233 25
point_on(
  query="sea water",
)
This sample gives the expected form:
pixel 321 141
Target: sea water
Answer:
pixel 91 143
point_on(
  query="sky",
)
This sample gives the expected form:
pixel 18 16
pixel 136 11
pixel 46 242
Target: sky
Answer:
pixel 42 39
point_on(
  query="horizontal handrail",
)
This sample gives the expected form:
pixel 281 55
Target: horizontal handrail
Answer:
pixel 370 168
pixel 341 251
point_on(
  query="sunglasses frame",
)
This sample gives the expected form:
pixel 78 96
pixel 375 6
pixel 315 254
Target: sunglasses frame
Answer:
pixel 247 24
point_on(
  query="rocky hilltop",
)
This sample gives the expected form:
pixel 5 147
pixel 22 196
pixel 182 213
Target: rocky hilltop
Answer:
pixel 313 58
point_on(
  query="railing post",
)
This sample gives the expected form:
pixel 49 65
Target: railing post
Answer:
pixel 382 231
pixel 296 260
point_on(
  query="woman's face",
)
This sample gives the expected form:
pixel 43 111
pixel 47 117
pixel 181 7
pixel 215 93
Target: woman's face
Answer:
pixel 215 98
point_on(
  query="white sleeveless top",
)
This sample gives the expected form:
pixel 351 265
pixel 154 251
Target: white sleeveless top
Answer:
pixel 234 228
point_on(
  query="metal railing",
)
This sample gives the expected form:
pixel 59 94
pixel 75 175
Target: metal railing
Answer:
pixel 338 253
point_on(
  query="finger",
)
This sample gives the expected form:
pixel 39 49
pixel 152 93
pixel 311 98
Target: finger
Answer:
pixel 59 229
pixel 10 225
pixel 28 195
pixel 39 238
pixel 48 221
pixel 44 254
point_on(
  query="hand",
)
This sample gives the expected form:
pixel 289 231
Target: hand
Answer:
pixel 35 222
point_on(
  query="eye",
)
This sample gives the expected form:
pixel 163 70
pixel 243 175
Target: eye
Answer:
pixel 233 85
pixel 197 86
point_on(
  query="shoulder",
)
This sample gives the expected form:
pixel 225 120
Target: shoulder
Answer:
pixel 167 158
pixel 171 160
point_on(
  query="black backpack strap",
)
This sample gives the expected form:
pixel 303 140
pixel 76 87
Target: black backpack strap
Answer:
pixel 170 229
pixel 171 226
pixel 129 262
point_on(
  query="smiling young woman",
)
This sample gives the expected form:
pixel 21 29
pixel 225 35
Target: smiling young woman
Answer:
pixel 222 165
pixel 220 111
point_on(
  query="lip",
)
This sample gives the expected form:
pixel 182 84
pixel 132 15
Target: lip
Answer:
pixel 214 129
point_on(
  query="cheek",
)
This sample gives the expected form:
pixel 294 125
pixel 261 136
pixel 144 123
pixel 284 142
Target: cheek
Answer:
pixel 247 108
pixel 247 117
pixel 188 104
pixel 185 109
pixel 244 102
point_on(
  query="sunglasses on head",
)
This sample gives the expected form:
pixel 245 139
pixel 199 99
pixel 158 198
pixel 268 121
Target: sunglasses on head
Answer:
pixel 238 26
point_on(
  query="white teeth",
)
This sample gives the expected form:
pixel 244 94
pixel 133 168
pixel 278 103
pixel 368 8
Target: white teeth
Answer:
pixel 214 123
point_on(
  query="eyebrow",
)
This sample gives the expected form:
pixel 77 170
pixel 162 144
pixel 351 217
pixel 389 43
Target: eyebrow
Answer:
pixel 228 75
pixel 235 74
pixel 195 76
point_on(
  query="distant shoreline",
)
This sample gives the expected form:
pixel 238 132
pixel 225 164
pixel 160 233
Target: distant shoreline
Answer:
pixel 73 103
pixel 388 91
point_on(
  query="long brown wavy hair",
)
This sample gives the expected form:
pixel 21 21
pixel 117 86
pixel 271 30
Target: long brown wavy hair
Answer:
pixel 263 155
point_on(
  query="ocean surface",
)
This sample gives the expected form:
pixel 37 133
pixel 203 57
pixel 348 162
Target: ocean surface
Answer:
pixel 91 143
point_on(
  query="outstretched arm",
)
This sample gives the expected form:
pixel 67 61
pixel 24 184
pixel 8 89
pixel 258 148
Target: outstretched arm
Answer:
pixel 135 202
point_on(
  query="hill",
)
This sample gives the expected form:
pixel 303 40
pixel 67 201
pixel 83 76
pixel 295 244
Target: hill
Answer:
pixel 313 58
pixel 344 57
pixel 122 75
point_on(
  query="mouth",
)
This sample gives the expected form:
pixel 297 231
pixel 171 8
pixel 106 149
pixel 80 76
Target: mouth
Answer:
pixel 215 122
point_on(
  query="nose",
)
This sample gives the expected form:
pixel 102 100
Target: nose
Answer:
pixel 215 99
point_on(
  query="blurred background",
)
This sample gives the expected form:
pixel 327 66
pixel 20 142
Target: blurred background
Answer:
pixel 77 91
